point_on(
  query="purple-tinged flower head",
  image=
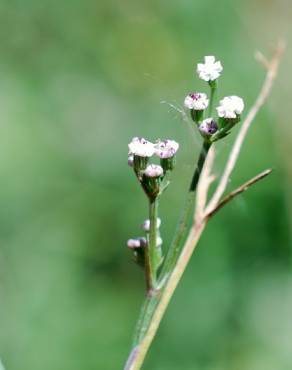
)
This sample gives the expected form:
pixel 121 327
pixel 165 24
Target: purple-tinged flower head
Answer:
pixel 136 243
pixel 141 147
pixel 210 70
pixel 196 101
pixel 146 224
pixel 208 127
pixel 230 107
pixel 153 170
pixel 166 148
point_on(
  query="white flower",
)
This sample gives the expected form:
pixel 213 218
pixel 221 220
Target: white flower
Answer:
pixel 208 127
pixel 153 170
pixel 134 243
pixel 196 101
pixel 166 148
pixel 146 224
pixel 141 147
pixel 210 70
pixel 230 107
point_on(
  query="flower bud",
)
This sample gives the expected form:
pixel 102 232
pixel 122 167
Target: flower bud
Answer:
pixel 134 243
pixel 151 180
pixel 146 224
pixel 166 150
pixel 197 103
pixel 141 149
pixel 208 127
pixel 153 171
pixel 138 245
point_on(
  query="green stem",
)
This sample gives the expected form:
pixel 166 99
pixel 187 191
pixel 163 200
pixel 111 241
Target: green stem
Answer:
pixel 203 154
pixel 213 87
pixel 154 296
pixel 153 212
pixel 175 247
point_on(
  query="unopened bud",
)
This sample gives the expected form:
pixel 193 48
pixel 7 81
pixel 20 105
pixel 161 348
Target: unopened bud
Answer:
pixel 152 179
pixel 146 224
pixel 153 171
pixel 134 243
pixel 208 127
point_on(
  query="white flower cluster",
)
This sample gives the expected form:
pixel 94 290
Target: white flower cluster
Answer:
pixel 196 101
pixel 210 70
pixel 144 148
pixel 166 148
pixel 230 107
pixel 141 147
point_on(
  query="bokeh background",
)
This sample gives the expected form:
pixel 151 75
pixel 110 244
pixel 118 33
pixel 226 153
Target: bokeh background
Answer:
pixel 78 79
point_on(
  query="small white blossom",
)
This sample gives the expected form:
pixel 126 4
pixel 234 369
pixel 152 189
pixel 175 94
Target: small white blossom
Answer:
pixel 146 224
pixel 230 107
pixel 210 70
pixel 134 243
pixel 141 147
pixel 153 170
pixel 166 148
pixel 208 127
pixel 196 101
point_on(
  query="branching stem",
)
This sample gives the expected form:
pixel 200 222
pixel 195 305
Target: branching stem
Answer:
pixel 177 259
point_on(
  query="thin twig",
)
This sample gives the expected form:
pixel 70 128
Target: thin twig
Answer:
pixel 238 191
pixel 272 68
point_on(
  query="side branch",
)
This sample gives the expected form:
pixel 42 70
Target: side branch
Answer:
pixel 238 191
pixel 272 69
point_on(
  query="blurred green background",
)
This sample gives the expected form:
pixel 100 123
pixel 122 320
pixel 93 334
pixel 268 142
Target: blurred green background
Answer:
pixel 78 79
